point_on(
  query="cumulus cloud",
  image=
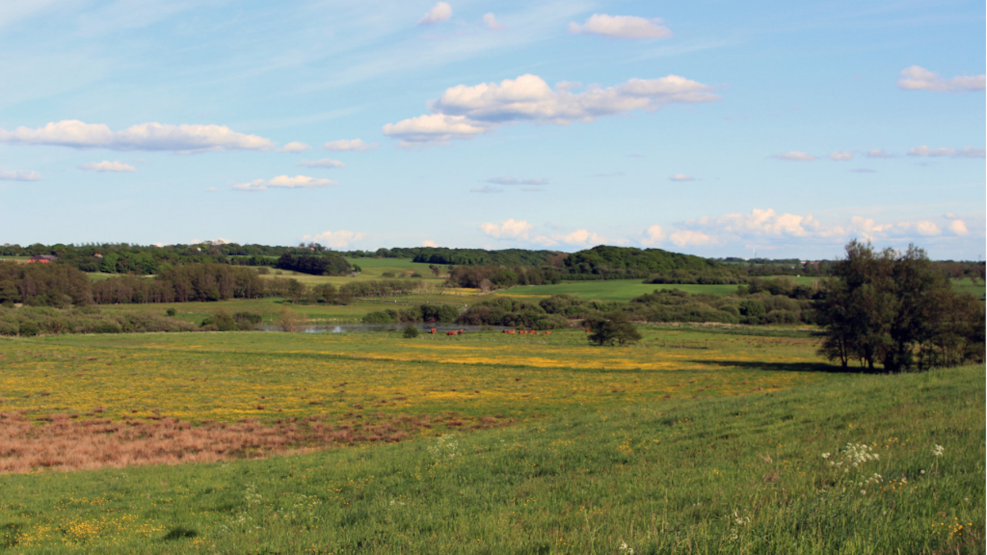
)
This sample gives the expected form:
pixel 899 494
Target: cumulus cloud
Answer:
pixel 486 190
pixel 841 156
pixel 621 27
pixel 967 152
pixel 464 112
pixel 323 163
pixel 512 181
pixel 107 166
pixel 335 239
pixel 508 229
pixel 439 13
pixel 349 144
pixel 490 20
pixel 653 235
pixel 959 227
pixel 295 146
pixel 688 237
pixel 795 156
pixel 878 153
pixel 285 182
pixel 18 175
pixel 681 177
pixel 916 78
pixel 434 128
pixel 581 237
pixel 144 136
pixel 767 226
pixel 927 228
pixel 429 243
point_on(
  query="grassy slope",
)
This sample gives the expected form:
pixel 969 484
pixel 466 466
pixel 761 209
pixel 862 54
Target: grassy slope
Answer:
pixel 737 475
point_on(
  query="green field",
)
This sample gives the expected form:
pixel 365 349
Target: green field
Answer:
pixel 694 441
pixel 610 290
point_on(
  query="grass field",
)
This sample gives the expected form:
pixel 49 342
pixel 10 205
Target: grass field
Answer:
pixel 694 441
pixel 610 290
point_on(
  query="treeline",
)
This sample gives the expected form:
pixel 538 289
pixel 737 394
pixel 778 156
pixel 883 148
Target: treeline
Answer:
pixel 58 285
pixel 426 313
pixel 316 264
pixel 31 321
pixel 457 257
pixel 487 278
pixel 605 262
pixel 123 258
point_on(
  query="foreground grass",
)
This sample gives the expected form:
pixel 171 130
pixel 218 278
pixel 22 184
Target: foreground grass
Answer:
pixel 733 475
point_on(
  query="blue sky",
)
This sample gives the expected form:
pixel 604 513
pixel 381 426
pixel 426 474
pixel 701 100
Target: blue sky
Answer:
pixel 713 128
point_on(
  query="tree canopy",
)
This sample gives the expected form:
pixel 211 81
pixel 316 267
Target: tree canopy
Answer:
pixel 895 309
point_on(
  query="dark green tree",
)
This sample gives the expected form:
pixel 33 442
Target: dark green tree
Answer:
pixel 614 328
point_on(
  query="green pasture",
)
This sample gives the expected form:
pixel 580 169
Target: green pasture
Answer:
pixel 611 290
pixel 691 442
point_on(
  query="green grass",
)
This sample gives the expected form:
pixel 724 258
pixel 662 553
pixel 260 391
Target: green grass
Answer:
pixel 611 290
pixel 978 290
pixel 737 475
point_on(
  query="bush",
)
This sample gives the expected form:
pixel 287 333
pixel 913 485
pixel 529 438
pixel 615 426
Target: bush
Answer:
pixel 410 331
pixel 171 312
pixel 28 329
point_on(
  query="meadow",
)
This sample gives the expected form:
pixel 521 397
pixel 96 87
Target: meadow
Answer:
pixel 696 440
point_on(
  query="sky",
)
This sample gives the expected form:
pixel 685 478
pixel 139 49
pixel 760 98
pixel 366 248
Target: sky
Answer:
pixel 716 128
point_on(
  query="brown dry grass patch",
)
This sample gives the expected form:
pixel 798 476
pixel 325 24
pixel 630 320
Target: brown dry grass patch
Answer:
pixel 65 442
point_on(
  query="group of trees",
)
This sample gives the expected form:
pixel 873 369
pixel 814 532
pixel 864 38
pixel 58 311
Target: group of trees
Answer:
pixel 897 310
pixel 321 264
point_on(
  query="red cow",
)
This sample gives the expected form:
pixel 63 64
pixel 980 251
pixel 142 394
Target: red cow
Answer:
pixel 450 333
pixel 461 332
pixel 432 331
pixel 548 332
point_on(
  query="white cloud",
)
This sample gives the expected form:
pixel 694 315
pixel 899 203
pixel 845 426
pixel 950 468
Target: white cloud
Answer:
pixel 512 181
pixel 958 227
pixel 687 237
pixel 295 146
pixel 335 239
pixel 795 156
pixel 622 27
pixel 323 163
pixel 439 13
pixel 841 156
pixel 18 175
pixel 490 20
pixel 285 182
pixel 878 153
pixel 927 228
pixel 467 111
pixel 681 177
pixel 434 128
pixel 349 144
pixel 486 190
pixel 144 136
pixel 581 237
pixel 508 229
pixel 107 166
pixel 653 235
pixel 429 243
pixel 967 152
pixel 917 78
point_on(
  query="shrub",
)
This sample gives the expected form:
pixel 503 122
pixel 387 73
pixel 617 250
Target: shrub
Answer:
pixel 171 311
pixel 28 329
pixel 410 332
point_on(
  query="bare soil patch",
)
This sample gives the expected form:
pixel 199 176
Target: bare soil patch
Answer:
pixel 65 442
